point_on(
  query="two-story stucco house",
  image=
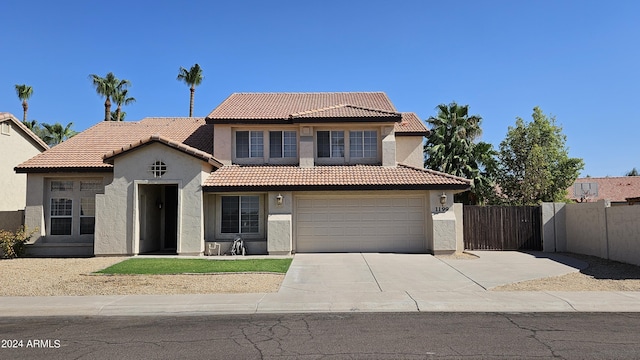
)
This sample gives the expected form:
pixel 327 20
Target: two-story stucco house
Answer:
pixel 289 172
pixel 17 144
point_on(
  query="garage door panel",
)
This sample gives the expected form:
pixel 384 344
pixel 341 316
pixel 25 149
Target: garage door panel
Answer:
pixel 360 224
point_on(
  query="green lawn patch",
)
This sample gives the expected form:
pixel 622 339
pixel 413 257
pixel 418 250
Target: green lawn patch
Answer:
pixel 157 266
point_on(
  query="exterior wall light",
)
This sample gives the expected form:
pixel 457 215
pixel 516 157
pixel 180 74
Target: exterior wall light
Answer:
pixel 279 199
pixel 443 199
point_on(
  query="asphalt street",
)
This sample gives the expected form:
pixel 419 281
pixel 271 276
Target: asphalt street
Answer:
pixel 325 336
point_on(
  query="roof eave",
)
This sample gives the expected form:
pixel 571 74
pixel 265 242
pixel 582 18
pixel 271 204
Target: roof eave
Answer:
pixel 239 188
pixel 59 169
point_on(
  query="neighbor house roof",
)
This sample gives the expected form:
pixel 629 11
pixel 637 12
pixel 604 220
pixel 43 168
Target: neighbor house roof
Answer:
pixel 616 189
pixel 86 150
pixel 360 177
pixel 5 116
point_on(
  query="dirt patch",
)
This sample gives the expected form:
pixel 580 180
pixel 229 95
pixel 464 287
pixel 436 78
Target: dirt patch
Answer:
pixel 69 277
pixel 600 275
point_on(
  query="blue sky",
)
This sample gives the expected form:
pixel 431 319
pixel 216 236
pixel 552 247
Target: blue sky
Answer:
pixel 577 60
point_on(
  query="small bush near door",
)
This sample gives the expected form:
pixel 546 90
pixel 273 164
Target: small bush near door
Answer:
pixel 13 244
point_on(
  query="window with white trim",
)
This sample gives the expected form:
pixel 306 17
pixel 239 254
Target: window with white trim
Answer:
pixel 330 144
pixel 363 144
pixel 240 214
pixel 87 215
pixel 249 144
pixel 91 185
pixel 61 216
pixel 61 185
pixel 283 144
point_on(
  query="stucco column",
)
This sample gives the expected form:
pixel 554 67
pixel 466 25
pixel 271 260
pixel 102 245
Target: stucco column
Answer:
pixel 279 223
pixel 445 225
pixel 306 151
pixel 389 150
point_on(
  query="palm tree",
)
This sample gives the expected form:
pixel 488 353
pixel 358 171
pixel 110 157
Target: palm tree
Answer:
pixel 24 93
pixel 451 148
pixel 108 86
pixel 193 77
pixel 123 115
pixel 120 98
pixel 57 134
pixel 449 145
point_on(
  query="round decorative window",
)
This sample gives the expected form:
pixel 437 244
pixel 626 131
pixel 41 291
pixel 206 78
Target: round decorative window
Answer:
pixel 158 169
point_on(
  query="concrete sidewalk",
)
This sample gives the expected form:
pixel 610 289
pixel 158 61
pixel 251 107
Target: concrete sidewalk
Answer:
pixel 363 282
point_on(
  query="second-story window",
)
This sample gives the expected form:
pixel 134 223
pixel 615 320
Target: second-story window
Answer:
pixel 330 144
pixel 282 144
pixel 249 144
pixel 363 144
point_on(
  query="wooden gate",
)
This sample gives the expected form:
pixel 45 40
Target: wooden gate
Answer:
pixel 502 227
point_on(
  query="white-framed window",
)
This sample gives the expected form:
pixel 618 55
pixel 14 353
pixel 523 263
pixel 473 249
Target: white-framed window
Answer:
pixel 249 144
pixel 283 144
pixel 363 144
pixel 5 128
pixel 87 215
pixel 240 214
pixel 61 185
pixel 61 216
pixel 91 185
pixel 330 144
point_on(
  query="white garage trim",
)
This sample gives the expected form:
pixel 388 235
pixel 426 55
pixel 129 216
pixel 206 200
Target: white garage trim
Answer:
pixel 361 223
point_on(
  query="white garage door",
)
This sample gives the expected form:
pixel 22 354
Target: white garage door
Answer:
pixel 360 224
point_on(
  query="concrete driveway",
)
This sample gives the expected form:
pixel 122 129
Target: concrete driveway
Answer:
pixel 374 272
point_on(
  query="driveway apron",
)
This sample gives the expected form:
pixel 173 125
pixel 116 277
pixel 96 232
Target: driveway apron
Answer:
pixel 372 273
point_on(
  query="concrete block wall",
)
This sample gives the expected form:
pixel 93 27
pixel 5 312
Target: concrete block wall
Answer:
pixel 593 229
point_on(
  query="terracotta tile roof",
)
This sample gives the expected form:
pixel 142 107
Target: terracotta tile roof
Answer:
pixel 410 125
pixel 616 189
pixel 5 116
pixel 287 106
pixel 345 111
pixel 85 151
pixel 110 156
pixel 402 177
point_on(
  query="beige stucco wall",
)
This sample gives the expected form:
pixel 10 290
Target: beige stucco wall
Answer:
pixel 15 148
pixel 222 143
pixel 117 223
pixel 409 151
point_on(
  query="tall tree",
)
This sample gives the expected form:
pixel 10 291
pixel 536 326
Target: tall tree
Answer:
pixel 120 97
pixel 534 163
pixel 192 77
pixel 24 93
pixel 452 148
pixel 633 172
pixel 55 133
pixel 123 115
pixel 108 86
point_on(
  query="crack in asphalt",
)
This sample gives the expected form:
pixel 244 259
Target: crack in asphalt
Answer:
pixel 534 336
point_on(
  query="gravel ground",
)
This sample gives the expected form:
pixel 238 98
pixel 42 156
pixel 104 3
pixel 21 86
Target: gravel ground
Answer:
pixel 60 277
pixel 600 275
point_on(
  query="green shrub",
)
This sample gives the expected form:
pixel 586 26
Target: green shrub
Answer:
pixel 13 244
